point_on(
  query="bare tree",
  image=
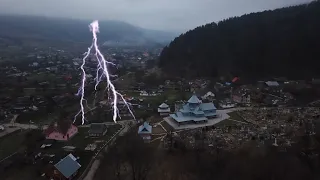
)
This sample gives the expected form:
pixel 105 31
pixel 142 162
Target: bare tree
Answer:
pixel 63 125
pixel 139 157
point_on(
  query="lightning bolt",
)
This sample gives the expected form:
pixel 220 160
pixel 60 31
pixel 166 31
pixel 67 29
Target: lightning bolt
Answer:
pixel 101 72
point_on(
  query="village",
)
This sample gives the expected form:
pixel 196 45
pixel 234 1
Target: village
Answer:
pixel 39 136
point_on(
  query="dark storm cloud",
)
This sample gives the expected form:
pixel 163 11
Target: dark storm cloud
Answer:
pixel 154 14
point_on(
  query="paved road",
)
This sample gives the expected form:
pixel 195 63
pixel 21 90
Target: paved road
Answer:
pixel 8 130
pixel 22 126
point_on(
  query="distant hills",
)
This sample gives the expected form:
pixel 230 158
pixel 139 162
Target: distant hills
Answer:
pixel 111 32
pixel 282 42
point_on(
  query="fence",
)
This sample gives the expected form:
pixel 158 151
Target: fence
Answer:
pixel 2 160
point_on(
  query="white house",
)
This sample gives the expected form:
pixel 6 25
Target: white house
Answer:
pixel 208 95
pixel 164 109
pixel 144 93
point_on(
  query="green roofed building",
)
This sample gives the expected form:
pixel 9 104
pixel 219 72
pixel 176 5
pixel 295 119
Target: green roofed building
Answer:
pixel 194 111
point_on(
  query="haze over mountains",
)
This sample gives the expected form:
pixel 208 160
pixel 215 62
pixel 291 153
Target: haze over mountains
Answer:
pixel 58 29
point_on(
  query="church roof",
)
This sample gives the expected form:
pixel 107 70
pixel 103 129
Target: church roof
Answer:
pixel 201 107
pixel 163 105
pixel 145 128
pixel 207 106
pixel 178 116
pixel 194 100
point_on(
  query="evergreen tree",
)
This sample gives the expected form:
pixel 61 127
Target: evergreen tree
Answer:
pixel 283 42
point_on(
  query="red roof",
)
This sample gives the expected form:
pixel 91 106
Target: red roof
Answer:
pixel 68 77
pixel 235 79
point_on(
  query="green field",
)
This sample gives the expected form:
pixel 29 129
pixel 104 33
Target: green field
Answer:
pixel 81 140
pixel 11 143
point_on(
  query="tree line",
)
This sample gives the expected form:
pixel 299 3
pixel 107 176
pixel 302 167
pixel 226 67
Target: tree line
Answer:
pixel 282 42
pixel 132 159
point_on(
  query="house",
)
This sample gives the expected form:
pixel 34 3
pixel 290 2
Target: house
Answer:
pixel 194 111
pixel 272 83
pixel 66 169
pixel 97 130
pixel 164 109
pixel 235 79
pixel 242 99
pixel 226 104
pixel 209 95
pixel 145 131
pixel 144 93
pixel 53 132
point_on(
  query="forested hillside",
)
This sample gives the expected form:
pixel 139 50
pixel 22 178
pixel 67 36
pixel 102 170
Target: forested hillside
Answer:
pixel 282 42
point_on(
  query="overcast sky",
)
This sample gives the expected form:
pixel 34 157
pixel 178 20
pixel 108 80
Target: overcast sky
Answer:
pixel 171 15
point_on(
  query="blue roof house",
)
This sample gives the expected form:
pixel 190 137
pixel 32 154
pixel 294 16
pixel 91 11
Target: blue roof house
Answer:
pixel 194 111
pixel 145 131
pixel 66 168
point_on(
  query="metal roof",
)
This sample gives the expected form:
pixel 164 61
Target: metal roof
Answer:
pixel 207 106
pixel 179 117
pixel 163 110
pixel 145 128
pixel 68 166
pixel 198 112
pixel 194 100
pixel 272 83
pixel 97 128
pixel 164 105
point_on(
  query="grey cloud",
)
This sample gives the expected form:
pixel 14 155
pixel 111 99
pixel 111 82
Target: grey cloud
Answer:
pixel 175 15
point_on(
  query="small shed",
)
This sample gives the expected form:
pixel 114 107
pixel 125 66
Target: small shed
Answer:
pixel 208 95
pixel 164 109
pixel 145 131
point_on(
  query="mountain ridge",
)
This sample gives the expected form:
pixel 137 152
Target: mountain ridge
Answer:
pixel 48 28
pixel 277 42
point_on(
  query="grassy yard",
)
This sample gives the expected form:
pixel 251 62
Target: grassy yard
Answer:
pixel 11 143
pixel 33 171
pixel 81 139
pixel 226 123
pixel 158 130
pixel 234 115
pixel 167 126
pixel 155 119
pixel 25 172
pixel 37 117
